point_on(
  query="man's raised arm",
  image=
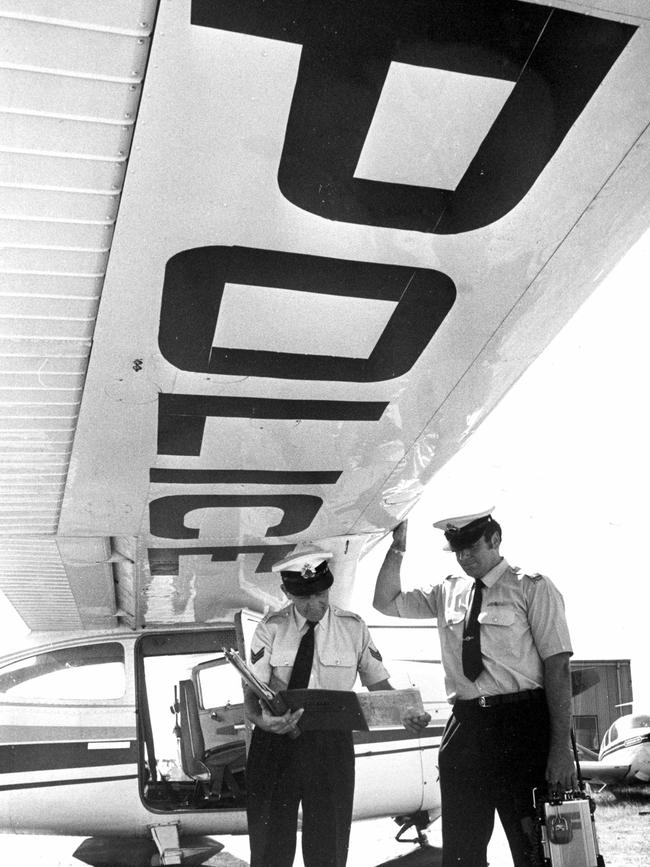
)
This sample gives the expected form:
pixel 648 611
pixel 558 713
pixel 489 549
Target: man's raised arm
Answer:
pixel 388 581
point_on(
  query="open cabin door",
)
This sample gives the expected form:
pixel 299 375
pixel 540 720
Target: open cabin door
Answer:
pixel 199 750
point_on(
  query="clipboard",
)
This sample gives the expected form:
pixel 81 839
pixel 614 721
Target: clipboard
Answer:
pixel 330 709
pixel 326 709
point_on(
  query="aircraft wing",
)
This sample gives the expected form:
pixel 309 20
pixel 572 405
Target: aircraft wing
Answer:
pixel 599 772
pixel 595 771
pixel 267 265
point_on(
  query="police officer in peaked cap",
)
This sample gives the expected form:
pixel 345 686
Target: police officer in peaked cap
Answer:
pixel 286 766
pixel 505 650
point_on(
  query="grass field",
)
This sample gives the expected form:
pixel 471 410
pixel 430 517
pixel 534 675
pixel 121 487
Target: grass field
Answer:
pixel 623 826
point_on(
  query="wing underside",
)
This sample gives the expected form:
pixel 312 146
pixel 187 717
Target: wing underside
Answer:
pixel 305 269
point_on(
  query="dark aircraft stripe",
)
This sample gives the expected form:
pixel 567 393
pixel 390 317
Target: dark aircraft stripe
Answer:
pixel 413 749
pixel 626 744
pixel 22 758
pixel 44 784
pixel 19 758
pixel 382 735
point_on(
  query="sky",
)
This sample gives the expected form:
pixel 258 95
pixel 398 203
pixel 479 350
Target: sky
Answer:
pixel 563 458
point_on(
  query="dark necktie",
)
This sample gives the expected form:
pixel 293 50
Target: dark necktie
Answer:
pixel 304 657
pixel 472 660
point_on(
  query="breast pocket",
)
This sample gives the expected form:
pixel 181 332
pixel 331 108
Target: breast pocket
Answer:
pixel 499 630
pixel 454 620
pixel 338 668
pixel 281 660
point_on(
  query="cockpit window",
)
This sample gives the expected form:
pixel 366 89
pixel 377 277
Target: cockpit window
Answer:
pixel 633 721
pixel 90 672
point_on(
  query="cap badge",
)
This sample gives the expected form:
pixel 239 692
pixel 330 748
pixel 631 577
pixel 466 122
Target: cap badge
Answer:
pixel 307 572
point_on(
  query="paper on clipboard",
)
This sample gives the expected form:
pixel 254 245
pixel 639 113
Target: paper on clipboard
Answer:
pixel 385 708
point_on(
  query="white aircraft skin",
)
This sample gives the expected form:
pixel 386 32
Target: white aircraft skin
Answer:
pixel 326 242
pixel 624 755
pixel 79 766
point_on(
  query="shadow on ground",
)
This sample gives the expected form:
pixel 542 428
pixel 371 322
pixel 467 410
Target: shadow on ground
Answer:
pixel 427 856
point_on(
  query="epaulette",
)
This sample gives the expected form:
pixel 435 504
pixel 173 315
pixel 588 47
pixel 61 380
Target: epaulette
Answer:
pixel 271 615
pixel 534 576
pixel 341 612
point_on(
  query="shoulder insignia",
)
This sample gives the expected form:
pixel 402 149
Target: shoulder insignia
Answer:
pixel 341 612
pixel 256 655
pixel 375 653
pixel 536 576
pixel 283 612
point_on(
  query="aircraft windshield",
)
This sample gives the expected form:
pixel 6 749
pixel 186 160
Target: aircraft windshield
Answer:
pixel 627 723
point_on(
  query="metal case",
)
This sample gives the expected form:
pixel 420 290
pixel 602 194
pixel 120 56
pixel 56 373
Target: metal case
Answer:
pixel 568 832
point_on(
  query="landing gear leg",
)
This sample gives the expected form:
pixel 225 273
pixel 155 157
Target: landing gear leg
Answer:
pixel 424 855
pixel 418 821
pixel 190 852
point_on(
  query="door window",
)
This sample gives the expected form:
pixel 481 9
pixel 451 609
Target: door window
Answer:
pixel 88 672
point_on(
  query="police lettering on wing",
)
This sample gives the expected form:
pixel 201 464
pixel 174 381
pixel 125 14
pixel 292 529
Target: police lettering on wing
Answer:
pixel 312 159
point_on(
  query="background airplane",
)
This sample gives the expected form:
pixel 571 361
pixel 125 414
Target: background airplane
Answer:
pixel 624 755
pixel 266 266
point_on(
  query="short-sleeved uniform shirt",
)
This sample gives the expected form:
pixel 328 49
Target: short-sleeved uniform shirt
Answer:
pixel 342 647
pixel 522 623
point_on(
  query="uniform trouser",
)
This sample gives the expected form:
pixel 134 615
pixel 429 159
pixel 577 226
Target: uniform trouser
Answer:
pixel 316 768
pixel 491 759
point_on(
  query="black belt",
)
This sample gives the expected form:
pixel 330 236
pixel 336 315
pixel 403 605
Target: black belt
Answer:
pixel 506 698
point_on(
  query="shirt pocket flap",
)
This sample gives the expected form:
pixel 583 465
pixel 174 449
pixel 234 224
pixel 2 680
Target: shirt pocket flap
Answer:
pixel 453 618
pixel 343 657
pixel 282 656
pixel 497 615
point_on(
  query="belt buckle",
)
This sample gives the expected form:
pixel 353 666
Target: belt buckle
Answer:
pixel 482 702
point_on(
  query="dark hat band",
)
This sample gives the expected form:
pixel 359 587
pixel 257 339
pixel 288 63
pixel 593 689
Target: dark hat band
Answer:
pixel 299 584
pixel 463 537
